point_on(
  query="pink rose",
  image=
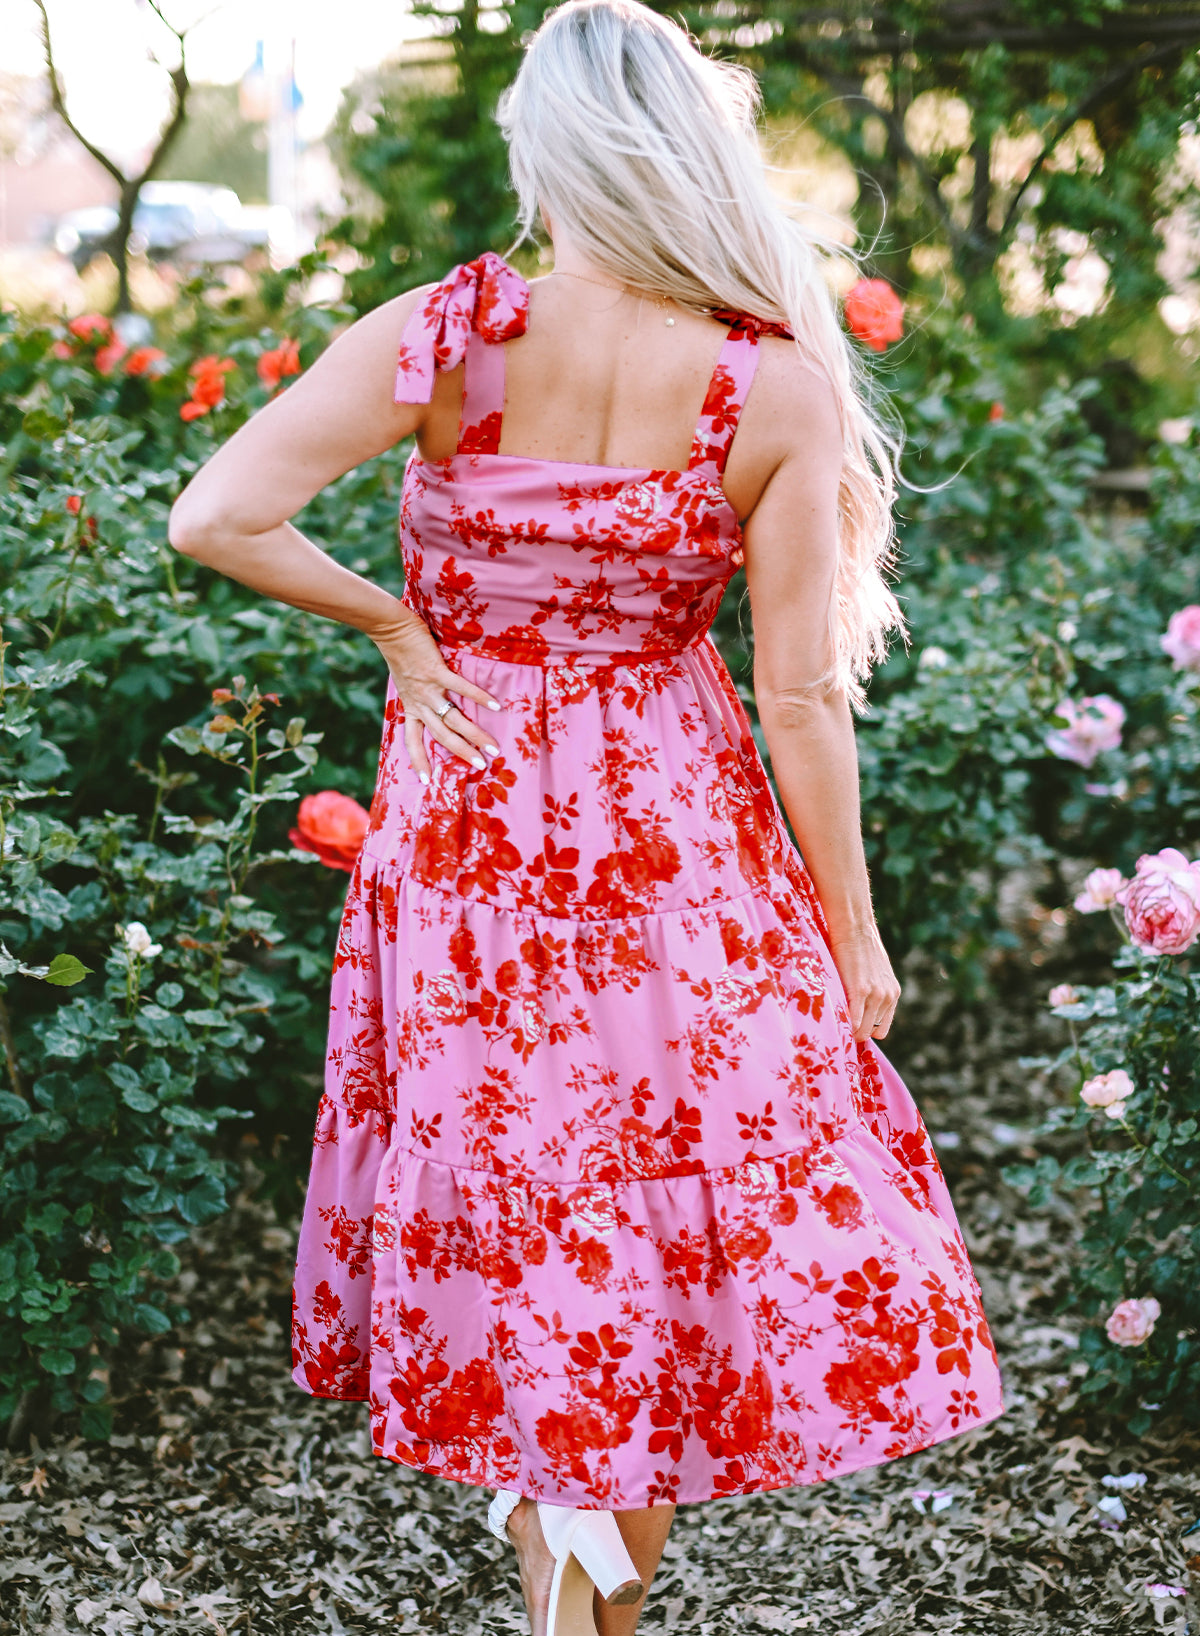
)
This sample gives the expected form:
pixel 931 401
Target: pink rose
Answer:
pixel 1092 725
pixel 1162 902
pixel 1099 890
pixel 1182 641
pixel 1062 994
pixel 1131 1322
pixel 1106 1090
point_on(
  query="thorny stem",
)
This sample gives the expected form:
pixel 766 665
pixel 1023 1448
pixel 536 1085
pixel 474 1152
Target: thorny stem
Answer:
pixel 252 786
pixel 159 785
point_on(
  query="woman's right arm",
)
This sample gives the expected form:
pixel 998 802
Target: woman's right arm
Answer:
pixel 790 543
pixel 234 517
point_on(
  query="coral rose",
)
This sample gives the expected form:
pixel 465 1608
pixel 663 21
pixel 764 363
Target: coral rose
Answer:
pixel 145 361
pixel 875 313
pixel 208 386
pixel 1099 890
pixel 1162 902
pixel 278 362
pixel 1092 725
pixel 109 356
pixel 1063 994
pixel 91 326
pixel 1181 643
pixel 1132 1322
pixel 333 826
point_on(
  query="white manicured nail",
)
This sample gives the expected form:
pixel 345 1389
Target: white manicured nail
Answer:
pixel 492 704
pixel 491 749
pixel 424 777
pixel 478 761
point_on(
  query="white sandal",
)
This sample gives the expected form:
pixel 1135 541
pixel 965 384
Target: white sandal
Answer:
pixel 588 1552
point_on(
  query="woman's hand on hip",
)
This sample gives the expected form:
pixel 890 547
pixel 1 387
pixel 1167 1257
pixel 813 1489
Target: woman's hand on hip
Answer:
pixel 423 681
pixel 872 992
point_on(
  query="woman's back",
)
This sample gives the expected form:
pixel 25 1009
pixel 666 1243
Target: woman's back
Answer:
pixel 600 378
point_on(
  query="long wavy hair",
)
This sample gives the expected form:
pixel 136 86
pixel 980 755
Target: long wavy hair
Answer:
pixel 647 153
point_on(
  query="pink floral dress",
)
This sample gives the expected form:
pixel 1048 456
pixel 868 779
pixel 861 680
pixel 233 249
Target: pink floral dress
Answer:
pixel 606 1204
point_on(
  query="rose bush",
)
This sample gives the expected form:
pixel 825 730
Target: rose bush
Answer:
pixel 1020 589
pixel 1134 1060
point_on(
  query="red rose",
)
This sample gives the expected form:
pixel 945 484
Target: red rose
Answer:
pixel 841 1204
pixel 875 313
pixel 278 362
pixel 145 361
pixel 208 386
pixel 333 826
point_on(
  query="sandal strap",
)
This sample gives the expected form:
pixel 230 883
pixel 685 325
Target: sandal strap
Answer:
pixel 500 1510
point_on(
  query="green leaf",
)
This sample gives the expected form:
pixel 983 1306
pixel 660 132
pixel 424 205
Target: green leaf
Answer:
pixel 141 1101
pixel 65 971
pixel 202 640
pixel 55 1361
pixel 96 1422
pixel 152 1319
pixel 42 426
pixel 123 1077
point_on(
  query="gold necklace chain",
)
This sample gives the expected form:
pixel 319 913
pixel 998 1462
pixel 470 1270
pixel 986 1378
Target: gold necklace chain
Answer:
pixel 660 301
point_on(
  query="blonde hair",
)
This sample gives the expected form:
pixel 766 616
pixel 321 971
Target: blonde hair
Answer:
pixel 647 153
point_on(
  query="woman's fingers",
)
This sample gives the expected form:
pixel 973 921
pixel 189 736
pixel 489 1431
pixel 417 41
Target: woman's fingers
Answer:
pixel 414 743
pixel 871 1013
pixel 454 683
pixel 454 730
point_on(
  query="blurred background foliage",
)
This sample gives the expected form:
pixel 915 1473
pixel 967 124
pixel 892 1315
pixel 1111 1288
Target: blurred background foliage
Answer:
pixel 1037 168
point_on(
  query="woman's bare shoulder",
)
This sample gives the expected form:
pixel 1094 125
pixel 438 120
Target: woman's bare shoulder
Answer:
pixel 791 393
pixel 384 323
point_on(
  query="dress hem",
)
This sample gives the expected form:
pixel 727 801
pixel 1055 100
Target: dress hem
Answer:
pixel 846 1469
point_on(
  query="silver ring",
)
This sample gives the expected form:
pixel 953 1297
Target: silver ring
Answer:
pixel 445 709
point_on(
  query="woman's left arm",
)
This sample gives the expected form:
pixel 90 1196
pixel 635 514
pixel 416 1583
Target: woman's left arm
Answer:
pixel 233 515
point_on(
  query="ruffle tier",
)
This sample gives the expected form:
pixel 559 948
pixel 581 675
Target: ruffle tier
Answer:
pixel 617 1212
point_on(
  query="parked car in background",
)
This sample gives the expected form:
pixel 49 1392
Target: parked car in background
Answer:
pixel 181 222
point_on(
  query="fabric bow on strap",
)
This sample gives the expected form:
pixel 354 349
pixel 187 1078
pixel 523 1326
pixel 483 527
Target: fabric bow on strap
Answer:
pixel 750 325
pixel 484 295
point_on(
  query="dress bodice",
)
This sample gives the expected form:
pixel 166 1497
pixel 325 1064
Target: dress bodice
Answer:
pixel 549 562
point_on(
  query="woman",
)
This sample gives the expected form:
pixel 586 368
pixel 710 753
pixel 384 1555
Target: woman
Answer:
pixel 615 1202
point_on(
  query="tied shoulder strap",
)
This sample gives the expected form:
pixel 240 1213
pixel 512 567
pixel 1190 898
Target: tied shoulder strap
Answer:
pixel 484 297
pixel 728 389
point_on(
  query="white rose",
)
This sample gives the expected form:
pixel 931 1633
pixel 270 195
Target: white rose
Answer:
pixel 809 973
pixel 756 1180
pixel 637 504
pixel 383 1231
pixel 533 1020
pixel 734 994
pixel 444 998
pixel 137 941
pixel 594 1210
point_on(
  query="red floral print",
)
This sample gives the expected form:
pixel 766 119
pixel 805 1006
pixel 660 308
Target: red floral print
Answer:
pixel 606 1203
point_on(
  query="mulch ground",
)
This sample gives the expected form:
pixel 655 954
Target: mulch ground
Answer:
pixel 230 1502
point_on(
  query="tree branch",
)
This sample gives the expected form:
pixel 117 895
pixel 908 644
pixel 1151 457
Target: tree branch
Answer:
pixel 849 90
pixel 1099 94
pixel 58 103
